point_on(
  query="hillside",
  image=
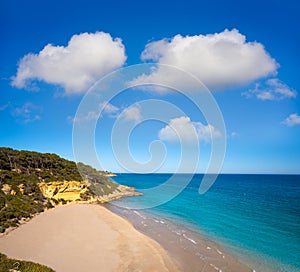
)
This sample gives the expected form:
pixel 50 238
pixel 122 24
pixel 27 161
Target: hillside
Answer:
pixel 31 182
pixel 7 264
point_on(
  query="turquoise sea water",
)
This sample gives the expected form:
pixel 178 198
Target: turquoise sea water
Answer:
pixel 257 217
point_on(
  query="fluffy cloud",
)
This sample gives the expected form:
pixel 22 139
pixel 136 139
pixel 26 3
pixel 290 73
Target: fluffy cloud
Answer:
pixel 86 58
pixel 272 89
pixel 132 114
pixel 185 128
pixel 292 120
pixel 219 60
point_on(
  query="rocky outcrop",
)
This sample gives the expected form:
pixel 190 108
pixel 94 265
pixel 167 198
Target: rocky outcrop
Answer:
pixel 110 175
pixel 21 188
pixel 31 182
pixel 66 190
pixel 6 188
pixel 107 174
pixel 120 192
pixel 74 190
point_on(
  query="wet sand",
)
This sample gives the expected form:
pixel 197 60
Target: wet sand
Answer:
pixel 190 251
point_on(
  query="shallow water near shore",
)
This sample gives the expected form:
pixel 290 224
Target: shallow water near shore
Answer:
pixel 189 250
pixel 255 217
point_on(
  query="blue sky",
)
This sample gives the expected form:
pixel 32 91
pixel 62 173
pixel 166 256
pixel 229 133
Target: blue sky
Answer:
pixel 246 53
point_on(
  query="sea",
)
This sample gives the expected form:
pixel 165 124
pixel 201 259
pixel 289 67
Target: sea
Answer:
pixel 254 217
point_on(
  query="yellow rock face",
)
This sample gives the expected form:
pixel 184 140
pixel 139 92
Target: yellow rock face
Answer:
pixel 13 192
pixel 67 190
pixel 6 188
pixel 22 188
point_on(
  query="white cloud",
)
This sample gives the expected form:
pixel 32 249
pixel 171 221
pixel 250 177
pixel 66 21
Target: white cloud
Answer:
pixel 86 58
pixel 108 108
pixel 219 60
pixel 132 114
pixel 104 108
pixel 27 113
pixel 292 120
pixel 186 131
pixel 272 89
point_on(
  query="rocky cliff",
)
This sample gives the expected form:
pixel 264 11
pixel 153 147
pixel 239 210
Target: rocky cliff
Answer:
pixel 66 190
pixel 32 181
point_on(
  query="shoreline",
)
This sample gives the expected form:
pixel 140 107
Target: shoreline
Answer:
pixel 241 219
pixel 63 238
pixel 242 259
pixel 190 250
pixel 190 253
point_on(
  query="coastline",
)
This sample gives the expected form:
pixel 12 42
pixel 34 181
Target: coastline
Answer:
pixel 191 251
pixel 121 245
pixel 247 215
pixel 85 237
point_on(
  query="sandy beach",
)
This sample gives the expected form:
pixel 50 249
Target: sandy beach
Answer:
pixel 190 251
pixel 85 238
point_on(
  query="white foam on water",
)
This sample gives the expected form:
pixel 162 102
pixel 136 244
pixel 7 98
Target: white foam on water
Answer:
pixel 137 213
pixel 215 267
pixel 190 239
pixel 144 224
pixel 219 252
pixel 177 232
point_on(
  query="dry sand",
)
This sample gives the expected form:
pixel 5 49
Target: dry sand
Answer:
pixel 85 238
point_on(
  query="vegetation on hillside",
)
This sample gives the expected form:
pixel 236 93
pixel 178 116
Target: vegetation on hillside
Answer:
pixel 99 184
pixel 20 175
pixel 46 167
pixel 24 173
pixel 7 264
